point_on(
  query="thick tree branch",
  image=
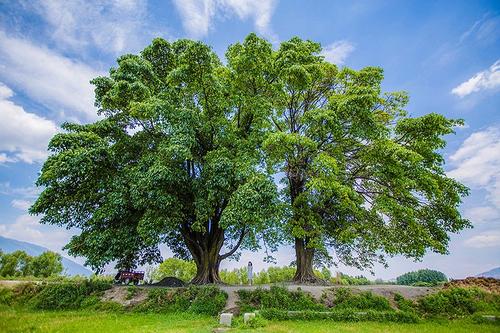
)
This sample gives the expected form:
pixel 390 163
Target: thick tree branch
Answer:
pixel 235 247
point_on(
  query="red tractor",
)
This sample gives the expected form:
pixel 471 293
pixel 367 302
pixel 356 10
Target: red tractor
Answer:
pixel 125 277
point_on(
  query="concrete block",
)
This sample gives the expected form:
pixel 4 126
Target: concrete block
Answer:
pixel 247 316
pixel 225 319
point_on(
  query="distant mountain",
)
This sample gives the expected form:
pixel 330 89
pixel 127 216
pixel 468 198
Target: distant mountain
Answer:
pixel 70 267
pixel 494 273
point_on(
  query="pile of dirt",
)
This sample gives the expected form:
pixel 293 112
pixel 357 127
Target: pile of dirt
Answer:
pixel 124 296
pixel 170 281
pixel 489 284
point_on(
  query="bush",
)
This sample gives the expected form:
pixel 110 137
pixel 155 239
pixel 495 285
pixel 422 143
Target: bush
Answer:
pixel 66 295
pixel 341 315
pixel 277 297
pixel 457 302
pixel 404 304
pixel 131 292
pixel 427 276
pixel 6 296
pixel 208 300
pixel 343 298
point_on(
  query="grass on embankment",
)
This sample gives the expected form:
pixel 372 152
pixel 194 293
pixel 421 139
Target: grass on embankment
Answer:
pixel 14 320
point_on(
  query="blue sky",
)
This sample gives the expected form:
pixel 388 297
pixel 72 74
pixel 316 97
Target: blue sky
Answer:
pixel 446 54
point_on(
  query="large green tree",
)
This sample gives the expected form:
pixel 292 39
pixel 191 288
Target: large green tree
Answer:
pixel 175 159
pixel 187 145
pixel 363 179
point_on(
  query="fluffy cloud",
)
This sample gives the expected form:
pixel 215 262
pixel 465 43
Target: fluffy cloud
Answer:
pixel 23 135
pixel 111 25
pixel 478 163
pixel 337 52
pixel 482 215
pixel 27 228
pixel 197 15
pixel 485 80
pixel 21 204
pixel 57 82
pixel 484 239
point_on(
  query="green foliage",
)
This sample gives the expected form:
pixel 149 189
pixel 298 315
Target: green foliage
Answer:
pixel 17 263
pixel 404 304
pixel 20 264
pixel 457 302
pixel 208 300
pixel 47 264
pixel 59 296
pixel 360 175
pixel 131 292
pixel 182 269
pixel 423 278
pixel 344 298
pixel 348 315
pixel 277 297
pixel 190 174
pixel 196 171
pixel 265 276
pixel 346 279
pixel 6 296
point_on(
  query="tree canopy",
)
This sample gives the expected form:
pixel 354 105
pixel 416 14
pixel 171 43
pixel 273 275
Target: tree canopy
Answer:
pixel 176 159
pixel 428 276
pixel 187 148
pixel 19 263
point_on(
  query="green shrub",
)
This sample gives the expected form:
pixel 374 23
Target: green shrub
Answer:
pixel 208 300
pixel 341 315
pixel 6 296
pixel 344 298
pixel 277 297
pixel 131 292
pixel 57 296
pixel 24 292
pixel 457 302
pixel 404 304
pixel 427 276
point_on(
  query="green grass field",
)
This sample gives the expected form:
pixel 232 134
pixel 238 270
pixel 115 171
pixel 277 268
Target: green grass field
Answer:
pixel 15 320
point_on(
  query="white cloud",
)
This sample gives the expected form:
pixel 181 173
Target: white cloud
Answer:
pixel 484 239
pixel 29 192
pixel 23 136
pixel 61 84
pixel 112 25
pixel 484 80
pixel 197 15
pixel 482 214
pixel 478 163
pixel 337 52
pixel 27 228
pixel 21 204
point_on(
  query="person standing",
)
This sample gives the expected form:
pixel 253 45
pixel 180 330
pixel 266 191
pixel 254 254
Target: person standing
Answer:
pixel 250 272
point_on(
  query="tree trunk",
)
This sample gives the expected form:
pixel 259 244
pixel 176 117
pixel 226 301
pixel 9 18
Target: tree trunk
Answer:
pixel 304 257
pixel 204 248
pixel 207 268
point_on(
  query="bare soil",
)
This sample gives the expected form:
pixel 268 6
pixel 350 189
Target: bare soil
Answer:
pixel 121 295
pixel 489 284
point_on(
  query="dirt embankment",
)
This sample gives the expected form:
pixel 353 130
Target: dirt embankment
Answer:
pixel 125 296
pixel 489 284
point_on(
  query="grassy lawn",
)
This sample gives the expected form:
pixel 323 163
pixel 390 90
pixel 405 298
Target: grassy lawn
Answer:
pixel 12 320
